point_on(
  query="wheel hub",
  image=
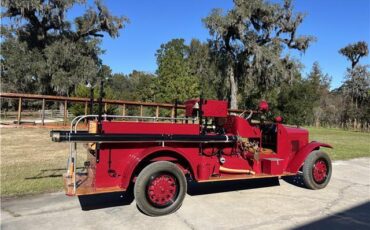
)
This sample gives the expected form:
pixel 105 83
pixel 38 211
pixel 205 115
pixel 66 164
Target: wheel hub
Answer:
pixel 162 190
pixel 320 171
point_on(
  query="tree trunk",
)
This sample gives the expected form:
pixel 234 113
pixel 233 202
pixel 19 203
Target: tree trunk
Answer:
pixel 233 88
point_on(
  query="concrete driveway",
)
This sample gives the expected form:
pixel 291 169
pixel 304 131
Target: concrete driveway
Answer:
pixel 256 204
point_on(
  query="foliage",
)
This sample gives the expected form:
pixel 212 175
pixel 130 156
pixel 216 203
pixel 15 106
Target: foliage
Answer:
pixel 356 92
pixel 51 53
pixel 84 91
pixel 300 102
pixel 354 52
pixel 174 79
pixel 356 87
pixel 137 86
pixel 202 66
pixel 248 41
pixel 20 66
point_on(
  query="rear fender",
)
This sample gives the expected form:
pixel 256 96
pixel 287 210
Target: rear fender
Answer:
pixel 296 163
pixel 136 159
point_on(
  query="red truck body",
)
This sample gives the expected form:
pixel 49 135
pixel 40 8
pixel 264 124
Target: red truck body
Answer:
pixel 216 146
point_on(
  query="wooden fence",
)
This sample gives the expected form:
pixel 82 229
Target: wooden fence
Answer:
pixel 43 98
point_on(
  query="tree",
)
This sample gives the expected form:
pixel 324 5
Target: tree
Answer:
pixel 19 66
pixel 142 85
pixel 203 67
pixel 356 87
pixel 354 52
pixel 249 40
pixel 83 91
pixel 174 79
pixel 318 84
pixel 56 53
pixel 304 101
pixel 137 86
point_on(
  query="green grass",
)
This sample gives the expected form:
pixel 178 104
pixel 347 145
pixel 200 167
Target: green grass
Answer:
pixel 31 163
pixel 347 144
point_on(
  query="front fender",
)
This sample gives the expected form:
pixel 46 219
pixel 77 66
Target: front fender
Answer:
pixel 299 158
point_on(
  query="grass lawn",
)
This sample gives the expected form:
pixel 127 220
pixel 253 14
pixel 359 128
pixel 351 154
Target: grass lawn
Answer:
pixel 31 163
pixel 347 144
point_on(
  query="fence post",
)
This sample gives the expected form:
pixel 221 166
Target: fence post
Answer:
pixel 19 111
pixel 105 108
pixel 65 113
pixel 141 110
pixel 86 107
pixel 157 111
pixel 173 112
pixel 43 112
pixel 124 110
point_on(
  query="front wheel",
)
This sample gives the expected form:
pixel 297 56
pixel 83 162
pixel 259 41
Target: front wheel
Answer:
pixel 160 188
pixel 317 170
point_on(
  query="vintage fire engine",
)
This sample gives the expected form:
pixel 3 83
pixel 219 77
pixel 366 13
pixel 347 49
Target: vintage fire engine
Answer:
pixel 158 155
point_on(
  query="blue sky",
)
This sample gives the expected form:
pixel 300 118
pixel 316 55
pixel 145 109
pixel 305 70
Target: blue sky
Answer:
pixel 335 23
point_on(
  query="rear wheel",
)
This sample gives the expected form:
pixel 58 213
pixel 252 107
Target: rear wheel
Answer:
pixel 160 188
pixel 317 170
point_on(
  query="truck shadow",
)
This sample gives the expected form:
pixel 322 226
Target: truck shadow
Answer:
pixel 195 188
pixel 107 200
pixel 296 180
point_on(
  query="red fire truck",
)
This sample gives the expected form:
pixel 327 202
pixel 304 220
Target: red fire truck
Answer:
pixel 158 155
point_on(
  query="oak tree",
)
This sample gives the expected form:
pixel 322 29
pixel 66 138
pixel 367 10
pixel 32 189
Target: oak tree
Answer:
pixel 42 48
pixel 250 38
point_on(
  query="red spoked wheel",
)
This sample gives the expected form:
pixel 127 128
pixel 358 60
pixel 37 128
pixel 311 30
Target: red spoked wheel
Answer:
pixel 320 171
pixel 162 189
pixel 317 170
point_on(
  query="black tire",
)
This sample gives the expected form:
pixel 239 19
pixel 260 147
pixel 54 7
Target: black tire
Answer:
pixel 152 175
pixel 317 170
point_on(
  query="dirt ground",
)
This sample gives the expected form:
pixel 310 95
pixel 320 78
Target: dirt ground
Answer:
pixel 252 204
